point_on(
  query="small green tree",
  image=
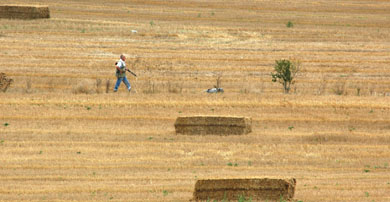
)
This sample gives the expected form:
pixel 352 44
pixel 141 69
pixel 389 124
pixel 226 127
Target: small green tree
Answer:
pixel 290 24
pixel 285 72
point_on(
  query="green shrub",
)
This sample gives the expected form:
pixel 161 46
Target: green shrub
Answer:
pixel 289 24
pixel 285 72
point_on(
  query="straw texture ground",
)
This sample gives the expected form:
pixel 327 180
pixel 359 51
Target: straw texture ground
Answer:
pixel 24 12
pixel 256 189
pixel 331 133
pixel 218 125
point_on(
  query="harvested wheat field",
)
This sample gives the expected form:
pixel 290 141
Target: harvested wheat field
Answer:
pixel 65 136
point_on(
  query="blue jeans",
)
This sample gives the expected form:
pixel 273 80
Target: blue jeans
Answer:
pixel 118 82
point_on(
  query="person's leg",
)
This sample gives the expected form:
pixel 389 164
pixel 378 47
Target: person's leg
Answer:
pixel 118 82
pixel 127 83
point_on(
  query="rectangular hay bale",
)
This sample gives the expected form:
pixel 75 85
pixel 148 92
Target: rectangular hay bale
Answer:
pixel 218 125
pixel 24 11
pixel 260 189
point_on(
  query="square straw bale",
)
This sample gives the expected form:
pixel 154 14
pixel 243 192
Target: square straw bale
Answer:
pixel 24 11
pixel 217 125
pixel 258 189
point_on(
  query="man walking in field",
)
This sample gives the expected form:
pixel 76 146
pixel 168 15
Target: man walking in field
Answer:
pixel 121 73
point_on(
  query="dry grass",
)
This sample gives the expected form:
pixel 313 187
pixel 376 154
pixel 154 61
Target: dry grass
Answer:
pixel 57 145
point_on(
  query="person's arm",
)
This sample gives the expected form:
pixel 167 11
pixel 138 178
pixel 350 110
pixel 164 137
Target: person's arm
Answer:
pixel 119 68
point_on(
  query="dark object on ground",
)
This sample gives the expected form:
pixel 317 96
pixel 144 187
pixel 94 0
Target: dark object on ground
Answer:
pixel 5 82
pixel 24 11
pixel 258 189
pixel 215 90
pixel 213 125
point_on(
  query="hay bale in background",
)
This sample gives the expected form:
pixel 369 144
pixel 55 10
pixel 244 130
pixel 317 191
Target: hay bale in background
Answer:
pixel 232 189
pixel 24 12
pixel 5 82
pixel 219 125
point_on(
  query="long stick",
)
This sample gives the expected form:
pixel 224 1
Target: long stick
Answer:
pixel 131 72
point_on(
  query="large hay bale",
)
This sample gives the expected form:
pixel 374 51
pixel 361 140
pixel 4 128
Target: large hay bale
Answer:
pixel 219 125
pixel 24 11
pixel 261 189
pixel 5 82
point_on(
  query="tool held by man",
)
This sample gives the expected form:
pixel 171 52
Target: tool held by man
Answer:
pixel 131 72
